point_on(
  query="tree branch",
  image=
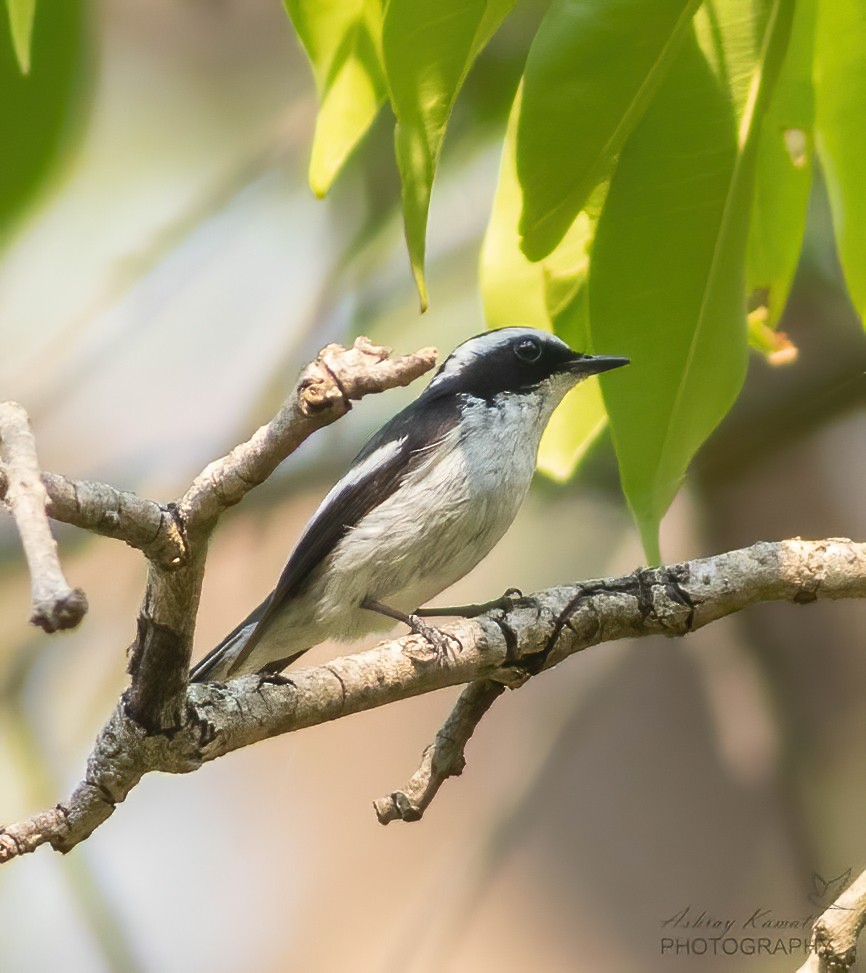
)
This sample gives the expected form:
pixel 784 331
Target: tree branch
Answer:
pixel 151 527
pixel 444 757
pixel 215 719
pixel 53 603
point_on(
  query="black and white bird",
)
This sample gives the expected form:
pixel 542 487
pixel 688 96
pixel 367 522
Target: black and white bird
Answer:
pixel 423 502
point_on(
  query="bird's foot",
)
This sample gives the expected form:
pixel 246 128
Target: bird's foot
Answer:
pixel 441 646
pixel 503 603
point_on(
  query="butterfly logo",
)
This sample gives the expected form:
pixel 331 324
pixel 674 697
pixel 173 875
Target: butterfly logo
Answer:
pixel 825 891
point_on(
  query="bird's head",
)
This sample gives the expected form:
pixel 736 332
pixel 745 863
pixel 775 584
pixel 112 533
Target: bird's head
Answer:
pixel 516 361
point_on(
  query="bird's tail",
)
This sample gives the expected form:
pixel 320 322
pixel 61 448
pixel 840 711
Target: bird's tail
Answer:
pixel 215 666
pixel 222 662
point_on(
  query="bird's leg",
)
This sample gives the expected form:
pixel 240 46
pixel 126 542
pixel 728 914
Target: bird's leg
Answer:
pixel 504 603
pixel 441 642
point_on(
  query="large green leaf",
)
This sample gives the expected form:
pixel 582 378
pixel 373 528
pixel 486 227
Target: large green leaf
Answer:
pixel 39 112
pixel 840 131
pixel 21 14
pixel 591 71
pixel 516 291
pixel 667 280
pixel 428 50
pixel 342 39
pixel 783 179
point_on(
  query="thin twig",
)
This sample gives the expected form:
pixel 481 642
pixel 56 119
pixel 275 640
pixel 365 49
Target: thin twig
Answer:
pixel 53 603
pixel 444 757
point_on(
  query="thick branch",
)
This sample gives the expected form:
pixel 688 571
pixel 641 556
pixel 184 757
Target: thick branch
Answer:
pixel 671 601
pixel 444 758
pixel 835 933
pixel 151 527
pixel 54 604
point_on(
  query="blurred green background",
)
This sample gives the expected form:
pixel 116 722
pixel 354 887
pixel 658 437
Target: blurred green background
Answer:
pixel 157 298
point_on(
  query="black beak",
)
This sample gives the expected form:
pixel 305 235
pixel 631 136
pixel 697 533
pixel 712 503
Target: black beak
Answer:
pixel 593 364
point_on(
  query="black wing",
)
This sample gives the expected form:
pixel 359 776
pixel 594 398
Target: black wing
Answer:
pixel 415 430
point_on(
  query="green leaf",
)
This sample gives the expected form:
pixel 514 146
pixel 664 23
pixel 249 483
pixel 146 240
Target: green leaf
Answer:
pixel 342 39
pixel 514 290
pixel 546 295
pixel 840 134
pixel 39 113
pixel 782 184
pixel 21 14
pixel 581 418
pixel 428 50
pixel 591 72
pixel 667 280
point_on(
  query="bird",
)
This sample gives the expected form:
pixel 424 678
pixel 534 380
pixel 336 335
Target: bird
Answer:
pixel 426 499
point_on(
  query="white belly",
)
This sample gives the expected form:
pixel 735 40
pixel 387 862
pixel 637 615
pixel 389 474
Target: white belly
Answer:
pixel 445 518
pixel 462 501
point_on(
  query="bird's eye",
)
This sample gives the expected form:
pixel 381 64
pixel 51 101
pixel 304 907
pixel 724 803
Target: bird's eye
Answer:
pixel 528 350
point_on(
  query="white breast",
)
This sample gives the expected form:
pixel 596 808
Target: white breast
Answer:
pixel 446 517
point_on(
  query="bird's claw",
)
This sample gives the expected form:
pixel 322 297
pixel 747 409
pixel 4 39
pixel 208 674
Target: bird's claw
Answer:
pixel 442 646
